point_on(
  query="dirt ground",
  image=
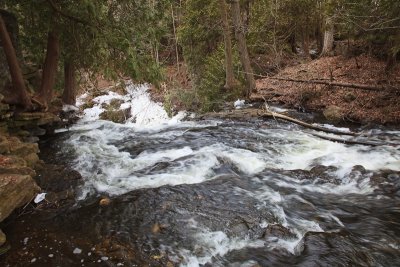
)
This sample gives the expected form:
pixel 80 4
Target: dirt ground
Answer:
pixel 357 105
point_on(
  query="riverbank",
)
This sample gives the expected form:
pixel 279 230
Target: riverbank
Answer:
pixel 346 104
pixel 20 165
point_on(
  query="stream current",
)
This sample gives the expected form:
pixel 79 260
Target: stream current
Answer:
pixel 222 193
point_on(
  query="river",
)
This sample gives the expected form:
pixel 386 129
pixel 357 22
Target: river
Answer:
pixel 215 193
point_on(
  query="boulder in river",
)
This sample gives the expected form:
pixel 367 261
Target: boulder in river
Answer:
pixel 333 113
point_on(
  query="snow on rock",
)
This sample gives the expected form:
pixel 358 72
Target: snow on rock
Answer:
pixel 239 104
pixel 144 111
pixel 69 108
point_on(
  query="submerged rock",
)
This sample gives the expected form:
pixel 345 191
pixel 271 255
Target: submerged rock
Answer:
pixel 15 191
pixel 59 182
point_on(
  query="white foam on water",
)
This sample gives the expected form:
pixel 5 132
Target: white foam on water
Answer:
pixel 332 127
pixel 211 244
pixel 303 151
pixel 108 169
pixel 351 187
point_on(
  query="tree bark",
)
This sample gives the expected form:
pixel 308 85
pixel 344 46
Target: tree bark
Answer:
pixel 306 44
pixel 49 68
pixel 292 42
pixel 243 52
pixel 229 76
pixel 327 47
pixel 21 95
pixel 69 93
pixel 269 114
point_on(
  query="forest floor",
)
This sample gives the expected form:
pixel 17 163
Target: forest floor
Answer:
pixel 356 105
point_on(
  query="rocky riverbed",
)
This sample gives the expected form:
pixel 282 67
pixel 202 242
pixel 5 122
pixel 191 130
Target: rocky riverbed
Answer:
pixel 225 189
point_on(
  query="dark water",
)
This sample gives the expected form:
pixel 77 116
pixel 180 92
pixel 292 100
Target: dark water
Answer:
pixel 216 193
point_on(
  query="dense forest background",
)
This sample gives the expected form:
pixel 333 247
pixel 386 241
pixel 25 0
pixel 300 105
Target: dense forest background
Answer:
pixel 208 51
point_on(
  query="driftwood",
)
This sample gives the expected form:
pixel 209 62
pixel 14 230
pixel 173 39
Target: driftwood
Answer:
pixel 332 83
pixel 269 114
pixel 274 115
pixel 347 141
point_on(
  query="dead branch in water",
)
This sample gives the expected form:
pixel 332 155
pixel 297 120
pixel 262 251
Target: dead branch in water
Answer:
pixel 269 114
pixel 347 141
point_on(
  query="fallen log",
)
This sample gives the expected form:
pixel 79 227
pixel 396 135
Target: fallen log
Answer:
pixel 338 84
pixel 269 114
pixel 274 115
pixel 347 141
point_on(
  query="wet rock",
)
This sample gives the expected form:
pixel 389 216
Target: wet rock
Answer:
pixel 333 113
pixel 20 149
pixel 387 181
pixel 28 116
pixel 335 248
pixel 117 116
pixel 15 191
pixel 31 159
pixel 114 113
pixel 48 118
pixel 239 228
pixel 57 178
pixel 279 231
pixel 318 174
pixel 3 238
pixel 23 170
pixel 14 165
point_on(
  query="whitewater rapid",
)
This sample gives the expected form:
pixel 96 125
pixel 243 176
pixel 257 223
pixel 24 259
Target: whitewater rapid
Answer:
pixel 152 150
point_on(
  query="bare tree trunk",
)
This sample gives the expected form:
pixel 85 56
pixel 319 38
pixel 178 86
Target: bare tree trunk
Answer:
pixel 292 42
pixel 50 68
pixel 306 44
pixel 21 95
pixel 69 93
pixel 230 78
pixel 246 15
pixel 243 52
pixel 175 37
pixel 328 38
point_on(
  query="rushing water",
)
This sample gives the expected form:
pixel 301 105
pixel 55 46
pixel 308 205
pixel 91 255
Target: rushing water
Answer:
pixel 221 193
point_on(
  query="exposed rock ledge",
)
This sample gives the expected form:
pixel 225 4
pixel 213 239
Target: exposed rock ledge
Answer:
pixel 19 158
pixel 15 191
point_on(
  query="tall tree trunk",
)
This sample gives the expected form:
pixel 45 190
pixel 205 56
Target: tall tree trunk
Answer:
pixel 69 93
pixel 50 68
pixel 306 43
pixel 21 95
pixel 246 15
pixel 292 42
pixel 243 52
pixel 229 76
pixel 328 38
